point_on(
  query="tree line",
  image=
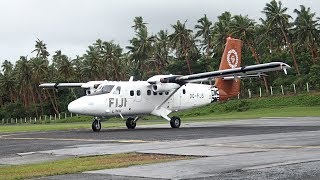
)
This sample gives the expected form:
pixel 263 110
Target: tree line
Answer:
pixel 275 37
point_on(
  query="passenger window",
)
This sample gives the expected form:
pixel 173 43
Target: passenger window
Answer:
pixel 160 93
pixel 184 91
pixel 131 93
pixel 154 93
pixel 138 92
pixel 149 92
pixel 117 91
pixel 167 93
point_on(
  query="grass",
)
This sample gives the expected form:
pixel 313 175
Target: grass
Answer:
pixel 260 113
pixel 81 164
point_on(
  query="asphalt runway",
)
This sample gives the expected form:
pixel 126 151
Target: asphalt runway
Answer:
pixel 269 148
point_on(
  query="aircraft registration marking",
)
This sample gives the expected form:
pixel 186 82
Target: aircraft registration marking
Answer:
pixel 196 95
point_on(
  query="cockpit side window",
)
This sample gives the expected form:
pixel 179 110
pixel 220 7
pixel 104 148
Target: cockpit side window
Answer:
pixel 103 89
pixel 118 90
pixel 107 89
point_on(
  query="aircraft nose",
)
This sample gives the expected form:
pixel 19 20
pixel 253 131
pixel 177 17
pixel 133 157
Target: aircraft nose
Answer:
pixel 75 107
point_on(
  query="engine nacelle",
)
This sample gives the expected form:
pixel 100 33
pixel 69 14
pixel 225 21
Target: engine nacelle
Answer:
pixel 164 87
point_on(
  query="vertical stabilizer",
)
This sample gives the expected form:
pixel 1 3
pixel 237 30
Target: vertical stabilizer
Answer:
pixel 231 58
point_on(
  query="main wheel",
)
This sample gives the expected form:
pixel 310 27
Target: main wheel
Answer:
pixel 175 122
pixel 131 124
pixel 96 125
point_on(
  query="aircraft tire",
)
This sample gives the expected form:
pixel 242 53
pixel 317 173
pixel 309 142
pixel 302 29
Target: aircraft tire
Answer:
pixel 175 122
pixel 130 123
pixel 96 126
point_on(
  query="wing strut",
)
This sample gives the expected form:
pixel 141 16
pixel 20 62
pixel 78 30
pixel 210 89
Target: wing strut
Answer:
pixel 162 111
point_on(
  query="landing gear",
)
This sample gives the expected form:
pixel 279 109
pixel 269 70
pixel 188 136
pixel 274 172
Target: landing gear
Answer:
pixel 131 123
pixel 96 125
pixel 175 122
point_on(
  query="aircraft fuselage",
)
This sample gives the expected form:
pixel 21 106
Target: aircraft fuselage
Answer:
pixel 136 98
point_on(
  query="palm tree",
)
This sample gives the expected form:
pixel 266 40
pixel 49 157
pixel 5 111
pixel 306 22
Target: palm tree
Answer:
pixel 24 75
pixel 63 65
pixel 8 81
pixel 7 67
pixel 277 18
pixel 91 64
pixel 112 54
pixel 243 28
pixel 77 64
pixel 142 49
pixel 39 73
pixel 41 49
pixel 306 30
pixel 266 38
pixel 162 50
pixel 139 24
pixel 205 31
pixel 220 32
pixel 182 42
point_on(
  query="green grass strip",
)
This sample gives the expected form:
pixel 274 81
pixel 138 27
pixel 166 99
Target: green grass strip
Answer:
pixel 81 164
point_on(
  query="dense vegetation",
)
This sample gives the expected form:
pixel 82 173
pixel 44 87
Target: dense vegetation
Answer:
pixel 277 36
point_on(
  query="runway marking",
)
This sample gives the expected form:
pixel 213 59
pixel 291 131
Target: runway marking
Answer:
pixel 71 139
pixel 263 146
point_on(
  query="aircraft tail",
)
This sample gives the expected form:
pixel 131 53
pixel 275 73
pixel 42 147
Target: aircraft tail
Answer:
pixel 231 58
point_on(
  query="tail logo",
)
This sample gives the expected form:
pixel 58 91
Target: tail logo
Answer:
pixel 232 58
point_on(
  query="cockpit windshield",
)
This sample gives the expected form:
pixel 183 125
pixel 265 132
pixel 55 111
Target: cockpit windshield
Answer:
pixel 103 89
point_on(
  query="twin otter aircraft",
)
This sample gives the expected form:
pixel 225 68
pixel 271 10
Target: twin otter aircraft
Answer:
pixel 162 94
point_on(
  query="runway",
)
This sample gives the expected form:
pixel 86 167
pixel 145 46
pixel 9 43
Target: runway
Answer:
pixel 267 148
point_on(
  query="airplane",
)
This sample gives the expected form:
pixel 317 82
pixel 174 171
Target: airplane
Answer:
pixel 162 94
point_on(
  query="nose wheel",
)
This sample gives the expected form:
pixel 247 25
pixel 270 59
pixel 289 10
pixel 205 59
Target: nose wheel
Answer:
pixel 175 122
pixel 96 125
pixel 131 123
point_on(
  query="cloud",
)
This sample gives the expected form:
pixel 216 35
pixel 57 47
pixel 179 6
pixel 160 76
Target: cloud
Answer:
pixel 72 25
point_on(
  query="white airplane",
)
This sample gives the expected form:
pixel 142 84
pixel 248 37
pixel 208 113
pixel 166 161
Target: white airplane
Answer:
pixel 162 94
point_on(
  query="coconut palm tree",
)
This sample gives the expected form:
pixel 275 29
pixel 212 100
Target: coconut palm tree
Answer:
pixel 306 30
pixel 7 67
pixel 139 24
pixel 141 50
pixel 39 73
pixel 91 64
pixel 8 81
pixel 243 28
pixel 220 32
pixel 112 54
pixel 24 76
pixel 162 48
pixel 277 18
pixel 41 49
pixel 205 31
pixel 182 42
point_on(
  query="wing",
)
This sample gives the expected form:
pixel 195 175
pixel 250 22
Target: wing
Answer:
pixel 247 71
pixel 61 85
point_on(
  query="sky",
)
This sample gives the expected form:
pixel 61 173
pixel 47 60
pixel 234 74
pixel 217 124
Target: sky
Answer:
pixel 72 25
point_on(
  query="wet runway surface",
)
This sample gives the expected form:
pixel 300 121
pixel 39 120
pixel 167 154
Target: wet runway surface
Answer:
pixel 39 141
pixel 267 147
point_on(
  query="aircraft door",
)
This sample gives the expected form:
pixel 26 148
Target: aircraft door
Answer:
pixel 177 99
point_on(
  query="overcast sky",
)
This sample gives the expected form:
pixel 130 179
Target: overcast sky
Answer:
pixel 73 25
